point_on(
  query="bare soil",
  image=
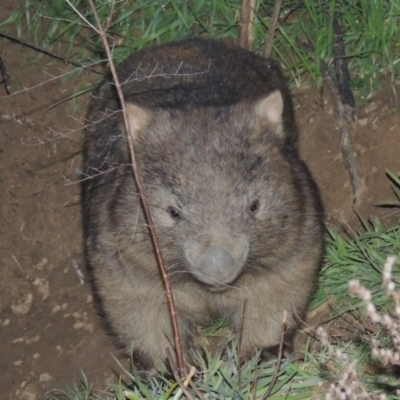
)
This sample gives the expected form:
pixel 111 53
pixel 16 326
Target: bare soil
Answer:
pixel 49 329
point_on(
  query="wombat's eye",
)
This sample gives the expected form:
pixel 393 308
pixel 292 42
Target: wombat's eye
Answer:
pixel 255 205
pixel 174 212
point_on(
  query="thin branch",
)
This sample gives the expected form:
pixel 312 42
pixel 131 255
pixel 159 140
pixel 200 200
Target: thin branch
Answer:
pixel 49 53
pixel 278 362
pixel 246 24
pixel 272 27
pixel 345 114
pixel 99 28
pixel 239 340
pixel 253 386
pixel 110 17
pixel 183 385
pixel 6 77
pixel 145 205
pixel 342 69
pixel 196 390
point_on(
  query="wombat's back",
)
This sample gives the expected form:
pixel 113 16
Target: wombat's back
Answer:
pixel 197 73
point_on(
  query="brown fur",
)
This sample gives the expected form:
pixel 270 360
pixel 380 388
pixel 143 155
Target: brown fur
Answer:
pixel 237 213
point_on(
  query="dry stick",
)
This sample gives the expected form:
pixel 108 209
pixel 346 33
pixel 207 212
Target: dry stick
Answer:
pixel 271 31
pixel 49 53
pixel 6 77
pixel 196 390
pixel 239 340
pixel 188 381
pixel 347 100
pixel 345 115
pixel 346 124
pixel 145 205
pixel 246 24
pixel 253 386
pixel 341 68
pixel 278 362
pixel 182 385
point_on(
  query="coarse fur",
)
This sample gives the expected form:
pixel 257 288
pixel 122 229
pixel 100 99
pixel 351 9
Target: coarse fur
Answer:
pixel 236 211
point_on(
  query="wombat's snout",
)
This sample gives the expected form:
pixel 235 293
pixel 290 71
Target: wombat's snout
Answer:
pixel 217 265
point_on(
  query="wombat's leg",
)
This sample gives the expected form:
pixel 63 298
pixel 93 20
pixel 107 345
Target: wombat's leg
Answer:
pixel 272 352
pixel 267 298
pixel 259 331
pixel 152 340
pixel 142 321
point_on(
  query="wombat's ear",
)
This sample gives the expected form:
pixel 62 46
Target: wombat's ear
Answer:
pixel 138 118
pixel 269 109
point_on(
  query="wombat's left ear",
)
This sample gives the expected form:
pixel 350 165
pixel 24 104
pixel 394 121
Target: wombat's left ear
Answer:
pixel 269 109
pixel 138 118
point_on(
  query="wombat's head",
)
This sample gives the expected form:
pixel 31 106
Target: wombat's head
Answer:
pixel 221 187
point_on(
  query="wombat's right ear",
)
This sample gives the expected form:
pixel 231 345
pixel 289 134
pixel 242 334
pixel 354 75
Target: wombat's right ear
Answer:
pixel 138 118
pixel 269 109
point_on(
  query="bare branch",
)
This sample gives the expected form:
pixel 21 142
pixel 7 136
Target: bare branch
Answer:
pixel 345 114
pixel 81 16
pixel 239 339
pixel 182 384
pixel 6 77
pixel 278 361
pixel 246 24
pixel 271 31
pixel 145 205
pixel 49 53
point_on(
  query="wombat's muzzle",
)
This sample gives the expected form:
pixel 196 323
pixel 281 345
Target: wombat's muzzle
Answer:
pixel 217 266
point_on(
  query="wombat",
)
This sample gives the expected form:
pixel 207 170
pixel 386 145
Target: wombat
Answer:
pixel 236 211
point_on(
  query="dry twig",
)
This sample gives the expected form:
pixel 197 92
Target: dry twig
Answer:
pixel 196 390
pixel 345 114
pixel 271 31
pixel 246 24
pixel 239 340
pixel 100 30
pixel 182 384
pixel 278 361
pixel 6 77
pixel 49 53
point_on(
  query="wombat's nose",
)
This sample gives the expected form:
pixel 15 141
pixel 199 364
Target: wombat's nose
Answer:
pixel 219 264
